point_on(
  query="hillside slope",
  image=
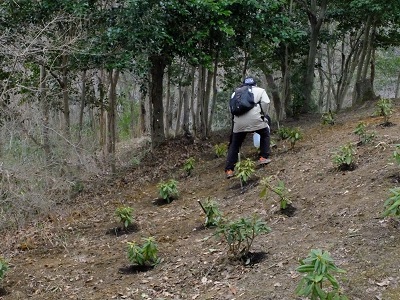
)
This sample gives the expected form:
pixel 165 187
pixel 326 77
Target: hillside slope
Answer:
pixel 78 253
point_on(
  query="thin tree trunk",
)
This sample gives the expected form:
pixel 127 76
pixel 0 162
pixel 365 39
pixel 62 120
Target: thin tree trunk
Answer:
pixel 82 105
pixel 192 100
pixel 214 94
pixel 206 105
pixel 316 19
pixel 200 101
pixel 158 65
pixel 276 99
pixel 168 106
pixel 65 95
pixel 46 114
pixel 112 134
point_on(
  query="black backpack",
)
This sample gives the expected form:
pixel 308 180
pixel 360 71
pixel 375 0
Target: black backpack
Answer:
pixel 242 101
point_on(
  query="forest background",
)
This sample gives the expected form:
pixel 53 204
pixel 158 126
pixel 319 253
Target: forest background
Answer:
pixel 83 80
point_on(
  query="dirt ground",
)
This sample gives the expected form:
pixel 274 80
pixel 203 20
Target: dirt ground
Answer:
pixel 78 253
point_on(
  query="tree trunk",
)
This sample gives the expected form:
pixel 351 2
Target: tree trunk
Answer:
pixel 276 99
pixel 192 100
pixel 396 95
pixel 46 114
pixel 214 94
pixel 168 106
pixel 200 101
pixel 82 105
pixel 112 133
pixel 158 64
pixel 316 19
pixel 65 96
pixel 206 105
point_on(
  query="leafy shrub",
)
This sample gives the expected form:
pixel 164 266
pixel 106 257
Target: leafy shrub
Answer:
pixel 221 150
pixel 392 204
pixel 213 214
pixel 240 234
pixel 188 166
pixel 318 268
pixel 384 108
pixel 124 215
pixel 3 267
pixel 396 154
pixel 244 169
pixel 146 254
pixel 168 189
pixel 344 158
pixel 294 136
pixel 279 189
pixel 328 118
pixel 364 137
pixel 283 133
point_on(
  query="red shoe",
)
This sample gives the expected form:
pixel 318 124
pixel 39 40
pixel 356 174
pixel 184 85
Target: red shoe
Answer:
pixel 229 174
pixel 264 161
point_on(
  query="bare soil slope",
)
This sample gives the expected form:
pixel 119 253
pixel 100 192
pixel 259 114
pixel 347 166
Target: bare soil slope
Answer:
pixel 77 252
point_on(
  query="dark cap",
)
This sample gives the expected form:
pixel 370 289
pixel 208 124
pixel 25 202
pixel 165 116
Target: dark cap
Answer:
pixel 249 81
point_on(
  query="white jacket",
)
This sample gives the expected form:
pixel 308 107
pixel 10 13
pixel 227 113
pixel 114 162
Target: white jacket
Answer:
pixel 253 119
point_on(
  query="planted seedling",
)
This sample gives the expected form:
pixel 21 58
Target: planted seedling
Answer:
pixel 396 154
pixel 344 158
pixel 318 281
pixel 188 166
pixel 392 204
pixel 3 267
pixel 213 214
pixel 221 150
pixel 240 234
pixel 124 215
pixel 244 169
pixel 168 190
pixel 277 186
pixel 364 136
pixel 294 136
pixel 145 254
pixel 384 108
pixel 328 118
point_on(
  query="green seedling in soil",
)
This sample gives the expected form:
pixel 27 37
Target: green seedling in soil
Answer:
pixel 294 136
pixel 188 166
pixel 279 189
pixel 328 118
pixel 221 150
pixel 384 108
pixel 144 255
pixel 213 214
pixel 240 234
pixel 283 133
pixel 168 189
pixel 396 154
pixel 124 215
pixel 318 281
pixel 392 204
pixel 344 158
pixel 364 136
pixel 3 267
pixel 244 169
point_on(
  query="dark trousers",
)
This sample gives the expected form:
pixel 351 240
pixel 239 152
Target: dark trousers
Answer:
pixel 237 141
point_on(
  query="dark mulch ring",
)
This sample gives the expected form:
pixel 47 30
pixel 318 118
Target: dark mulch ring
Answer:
pixel 3 292
pixel 118 231
pixel 395 178
pixel 253 258
pixel 288 211
pixel 135 269
pixel 162 201
pixel 387 124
